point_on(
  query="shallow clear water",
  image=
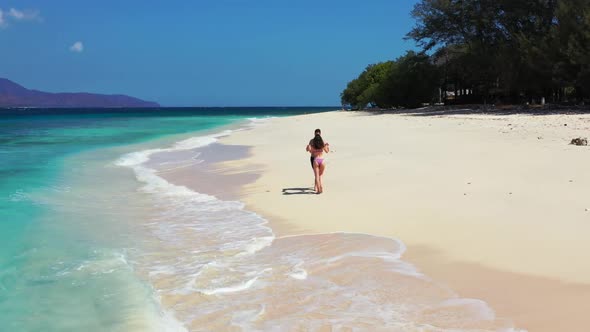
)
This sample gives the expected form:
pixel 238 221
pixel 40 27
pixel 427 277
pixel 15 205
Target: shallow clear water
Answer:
pixel 68 214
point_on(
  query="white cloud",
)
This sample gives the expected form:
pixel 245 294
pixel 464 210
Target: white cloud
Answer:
pixel 24 15
pixel 16 15
pixel 77 47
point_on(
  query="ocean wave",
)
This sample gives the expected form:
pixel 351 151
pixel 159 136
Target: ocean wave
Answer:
pixel 18 196
pixel 298 272
pixel 256 122
pixel 230 289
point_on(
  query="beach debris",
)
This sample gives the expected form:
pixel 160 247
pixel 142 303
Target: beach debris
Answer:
pixel 539 137
pixel 579 141
pixel 565 124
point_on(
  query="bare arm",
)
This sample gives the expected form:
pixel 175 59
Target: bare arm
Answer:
pixel 327 148
pixel 308 147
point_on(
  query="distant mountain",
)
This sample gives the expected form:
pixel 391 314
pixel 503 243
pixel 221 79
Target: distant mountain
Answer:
pixel 15 95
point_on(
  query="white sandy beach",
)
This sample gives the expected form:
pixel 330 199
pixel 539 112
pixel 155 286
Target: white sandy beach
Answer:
pixel 494 206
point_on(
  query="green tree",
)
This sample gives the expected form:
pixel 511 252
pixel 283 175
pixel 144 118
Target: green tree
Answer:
pixel 506 48
pixel 414 80
pixel 573 33
pixel 408 81
pixel 471 24
pixel 365 90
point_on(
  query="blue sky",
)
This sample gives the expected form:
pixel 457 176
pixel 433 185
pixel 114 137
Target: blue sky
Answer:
pixel 204 52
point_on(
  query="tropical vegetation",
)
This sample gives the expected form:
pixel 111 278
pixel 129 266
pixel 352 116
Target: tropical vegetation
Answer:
pixel 485 51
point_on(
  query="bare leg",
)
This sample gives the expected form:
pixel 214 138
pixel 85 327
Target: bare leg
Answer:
pixel 322 168
pixel 313 166
pixel 317 186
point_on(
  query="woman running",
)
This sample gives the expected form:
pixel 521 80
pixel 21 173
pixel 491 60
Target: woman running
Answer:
pixel 317 148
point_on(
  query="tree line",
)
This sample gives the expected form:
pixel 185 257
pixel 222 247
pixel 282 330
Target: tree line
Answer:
pixel 485 51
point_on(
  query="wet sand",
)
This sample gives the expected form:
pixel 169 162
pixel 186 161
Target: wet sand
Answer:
pixel 202 170
pixel 533 302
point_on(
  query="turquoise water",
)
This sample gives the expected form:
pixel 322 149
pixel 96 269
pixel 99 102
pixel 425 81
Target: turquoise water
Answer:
pixel 67 214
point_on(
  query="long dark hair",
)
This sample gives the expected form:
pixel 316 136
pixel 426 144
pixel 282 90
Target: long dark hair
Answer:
pixel 318 142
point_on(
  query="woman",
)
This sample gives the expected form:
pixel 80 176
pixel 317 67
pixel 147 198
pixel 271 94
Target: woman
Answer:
pixel 317 149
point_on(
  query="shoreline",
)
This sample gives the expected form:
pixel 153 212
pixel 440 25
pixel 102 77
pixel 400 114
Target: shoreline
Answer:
pixel 257 196
pixel 283 262
pixel 380 256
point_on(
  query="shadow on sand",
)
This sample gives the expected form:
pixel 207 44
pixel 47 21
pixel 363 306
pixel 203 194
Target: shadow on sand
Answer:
pixel 482 109
pixel 298 191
